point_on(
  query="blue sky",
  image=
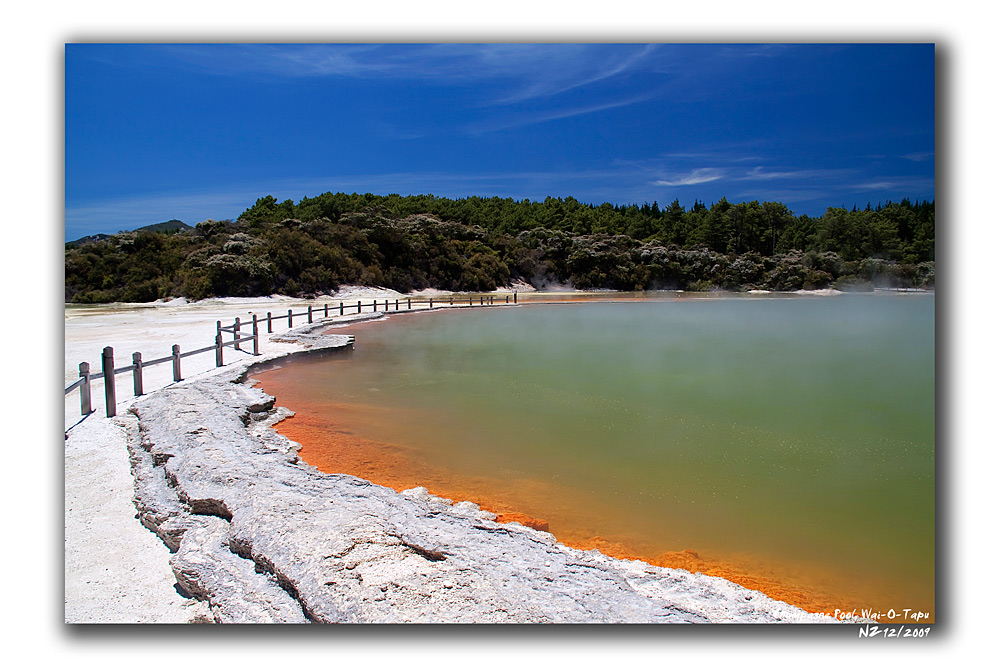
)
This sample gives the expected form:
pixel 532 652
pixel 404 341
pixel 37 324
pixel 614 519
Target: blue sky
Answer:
pixel 196 131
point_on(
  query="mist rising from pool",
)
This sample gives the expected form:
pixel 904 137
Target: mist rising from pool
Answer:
pixel 784 442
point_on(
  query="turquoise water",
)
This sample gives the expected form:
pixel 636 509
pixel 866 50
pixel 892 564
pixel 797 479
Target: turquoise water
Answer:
pixel 795 430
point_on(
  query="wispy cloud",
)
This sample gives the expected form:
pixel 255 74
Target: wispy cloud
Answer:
pixel 729 155
pixel 873 185
pixel 696 176
pixel 520 120
pixel 744 51
pixel 302 60
pixel 560 69
pixel 759 174
pixel 918 157
pixel 892 186
pixel 521 72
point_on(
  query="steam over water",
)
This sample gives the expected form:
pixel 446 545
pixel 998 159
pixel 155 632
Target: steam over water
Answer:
pixel 790 440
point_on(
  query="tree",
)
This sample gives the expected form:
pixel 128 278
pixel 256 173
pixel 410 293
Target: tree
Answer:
pixel 263 211
pixel 478 243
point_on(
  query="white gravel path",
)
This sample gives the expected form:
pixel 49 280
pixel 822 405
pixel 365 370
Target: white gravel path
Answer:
pixel 116 571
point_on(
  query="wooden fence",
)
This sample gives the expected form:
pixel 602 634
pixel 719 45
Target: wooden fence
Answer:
pixel 109 370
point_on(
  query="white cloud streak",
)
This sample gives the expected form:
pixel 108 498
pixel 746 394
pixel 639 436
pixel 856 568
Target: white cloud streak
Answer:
pixel 758 174
pixel 877 185
pixel 527 71
pixel 570 72
pixel 521 120
pixel 696 176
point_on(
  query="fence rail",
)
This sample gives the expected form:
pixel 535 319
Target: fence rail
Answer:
pixel 109 370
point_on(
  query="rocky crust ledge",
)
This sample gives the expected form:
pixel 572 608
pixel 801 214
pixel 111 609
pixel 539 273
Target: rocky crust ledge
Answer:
pixel 263 537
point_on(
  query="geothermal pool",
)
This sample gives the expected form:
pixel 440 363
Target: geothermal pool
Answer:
pixel 786 443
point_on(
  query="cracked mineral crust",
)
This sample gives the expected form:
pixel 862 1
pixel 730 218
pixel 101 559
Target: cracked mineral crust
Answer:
pixel 264 537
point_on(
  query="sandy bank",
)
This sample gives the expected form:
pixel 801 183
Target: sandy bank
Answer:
pixel 260 536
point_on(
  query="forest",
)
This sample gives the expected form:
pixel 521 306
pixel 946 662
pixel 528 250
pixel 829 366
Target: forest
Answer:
pixel 478 244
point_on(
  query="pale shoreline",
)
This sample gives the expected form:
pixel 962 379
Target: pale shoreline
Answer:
pixel 104 543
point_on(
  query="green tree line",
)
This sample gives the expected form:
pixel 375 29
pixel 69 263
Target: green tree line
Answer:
pixel 479 244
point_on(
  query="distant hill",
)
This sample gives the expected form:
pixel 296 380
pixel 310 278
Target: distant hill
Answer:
pixel 165 227
pixel 86 239
pixel 168 226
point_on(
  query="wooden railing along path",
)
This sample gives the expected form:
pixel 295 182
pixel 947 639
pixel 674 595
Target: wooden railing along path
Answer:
pixel 109 370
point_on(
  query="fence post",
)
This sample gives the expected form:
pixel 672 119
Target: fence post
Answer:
pixel 137 373
pixel 506 299
pixel 236 333
pixel 310 314
pixel 341 307
pixel 359 307
pixel 269 330
pixel 256 345
pixel 431 302
pixel 176 350
pixel 374 306
pixel 218 349
pixel 407 303
pixel 397 304
pixel 85 408
pixel 289 318
pixel 326 310
pixel 108 368
pixel 515 296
